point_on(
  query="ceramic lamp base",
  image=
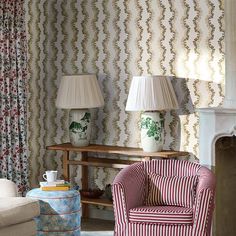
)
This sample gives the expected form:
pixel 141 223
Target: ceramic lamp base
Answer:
pixel 152 131
pixel 79 127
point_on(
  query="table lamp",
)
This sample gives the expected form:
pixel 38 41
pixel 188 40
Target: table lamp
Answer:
pixel 79 93
pixel 151 94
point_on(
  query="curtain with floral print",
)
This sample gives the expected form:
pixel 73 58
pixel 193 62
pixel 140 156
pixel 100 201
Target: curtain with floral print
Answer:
pixel 13 101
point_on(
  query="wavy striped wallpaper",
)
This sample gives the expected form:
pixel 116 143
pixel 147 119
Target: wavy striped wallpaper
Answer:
pixel 117 39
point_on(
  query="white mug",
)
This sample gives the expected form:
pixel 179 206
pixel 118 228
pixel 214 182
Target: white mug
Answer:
pixel 50 175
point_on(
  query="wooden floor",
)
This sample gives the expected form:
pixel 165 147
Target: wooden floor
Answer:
pixel 96 225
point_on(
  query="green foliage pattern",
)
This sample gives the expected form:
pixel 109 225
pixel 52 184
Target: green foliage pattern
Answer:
pixel 80 127
pixel 154 128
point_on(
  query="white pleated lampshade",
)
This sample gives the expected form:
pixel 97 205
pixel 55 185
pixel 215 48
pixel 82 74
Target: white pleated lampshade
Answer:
pixel 79 91
pixel 151 93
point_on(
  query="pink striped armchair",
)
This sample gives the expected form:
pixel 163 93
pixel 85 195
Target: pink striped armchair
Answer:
pixel 134 217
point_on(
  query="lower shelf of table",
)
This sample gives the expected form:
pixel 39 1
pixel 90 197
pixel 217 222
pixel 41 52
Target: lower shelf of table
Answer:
pixel 97 201
pixel 97 225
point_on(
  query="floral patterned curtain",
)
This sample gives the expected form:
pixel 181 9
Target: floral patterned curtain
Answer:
pixel 13 104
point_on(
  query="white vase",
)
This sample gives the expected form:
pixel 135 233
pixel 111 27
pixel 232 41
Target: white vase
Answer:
pixel 152 131
pixel 79 127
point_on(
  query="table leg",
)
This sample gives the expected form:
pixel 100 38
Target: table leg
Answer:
pixel 66 168
pixel 84 169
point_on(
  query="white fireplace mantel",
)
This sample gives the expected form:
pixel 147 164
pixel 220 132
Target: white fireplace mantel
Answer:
pixel 215 123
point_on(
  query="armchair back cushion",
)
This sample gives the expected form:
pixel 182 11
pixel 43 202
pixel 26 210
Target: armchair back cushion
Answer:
pixel 171 190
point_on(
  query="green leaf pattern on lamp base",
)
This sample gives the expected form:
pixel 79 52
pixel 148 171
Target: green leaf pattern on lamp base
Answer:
pixel 152 127
pixel 79 128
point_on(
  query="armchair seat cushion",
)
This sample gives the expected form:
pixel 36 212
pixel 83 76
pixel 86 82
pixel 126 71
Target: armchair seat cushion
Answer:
pixel 171 215
pixel 15 210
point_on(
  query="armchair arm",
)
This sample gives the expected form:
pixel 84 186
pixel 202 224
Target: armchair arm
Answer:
pixel 204 205
pixel 128 190
pixel 8 188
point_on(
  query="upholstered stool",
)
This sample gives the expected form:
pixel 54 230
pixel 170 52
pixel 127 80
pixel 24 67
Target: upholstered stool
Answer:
pixel 59 212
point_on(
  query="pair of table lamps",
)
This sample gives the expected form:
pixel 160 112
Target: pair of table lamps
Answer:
pixel 151 94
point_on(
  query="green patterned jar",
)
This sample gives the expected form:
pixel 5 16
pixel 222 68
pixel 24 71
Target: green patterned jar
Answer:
pixel 152 135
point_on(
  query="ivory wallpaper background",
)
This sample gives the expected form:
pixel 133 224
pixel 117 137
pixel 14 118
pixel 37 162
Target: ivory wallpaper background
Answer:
pixel 117 39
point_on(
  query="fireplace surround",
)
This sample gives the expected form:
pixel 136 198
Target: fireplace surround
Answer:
pixel 214 124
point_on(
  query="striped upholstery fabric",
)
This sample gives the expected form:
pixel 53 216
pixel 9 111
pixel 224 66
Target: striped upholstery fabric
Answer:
pixel 171 167
pixel 157 230
pixel 134 218
pixel 202 224
pixel 171 215
pixel 171 190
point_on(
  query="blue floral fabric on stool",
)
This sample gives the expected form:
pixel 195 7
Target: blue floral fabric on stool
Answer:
pixel 59 212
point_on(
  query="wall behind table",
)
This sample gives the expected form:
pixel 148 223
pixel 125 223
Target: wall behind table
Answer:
pixel 117 39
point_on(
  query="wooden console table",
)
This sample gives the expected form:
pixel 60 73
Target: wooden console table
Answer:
pixel 114 162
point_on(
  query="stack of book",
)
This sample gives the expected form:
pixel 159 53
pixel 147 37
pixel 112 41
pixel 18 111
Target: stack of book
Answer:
pixel 58 185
